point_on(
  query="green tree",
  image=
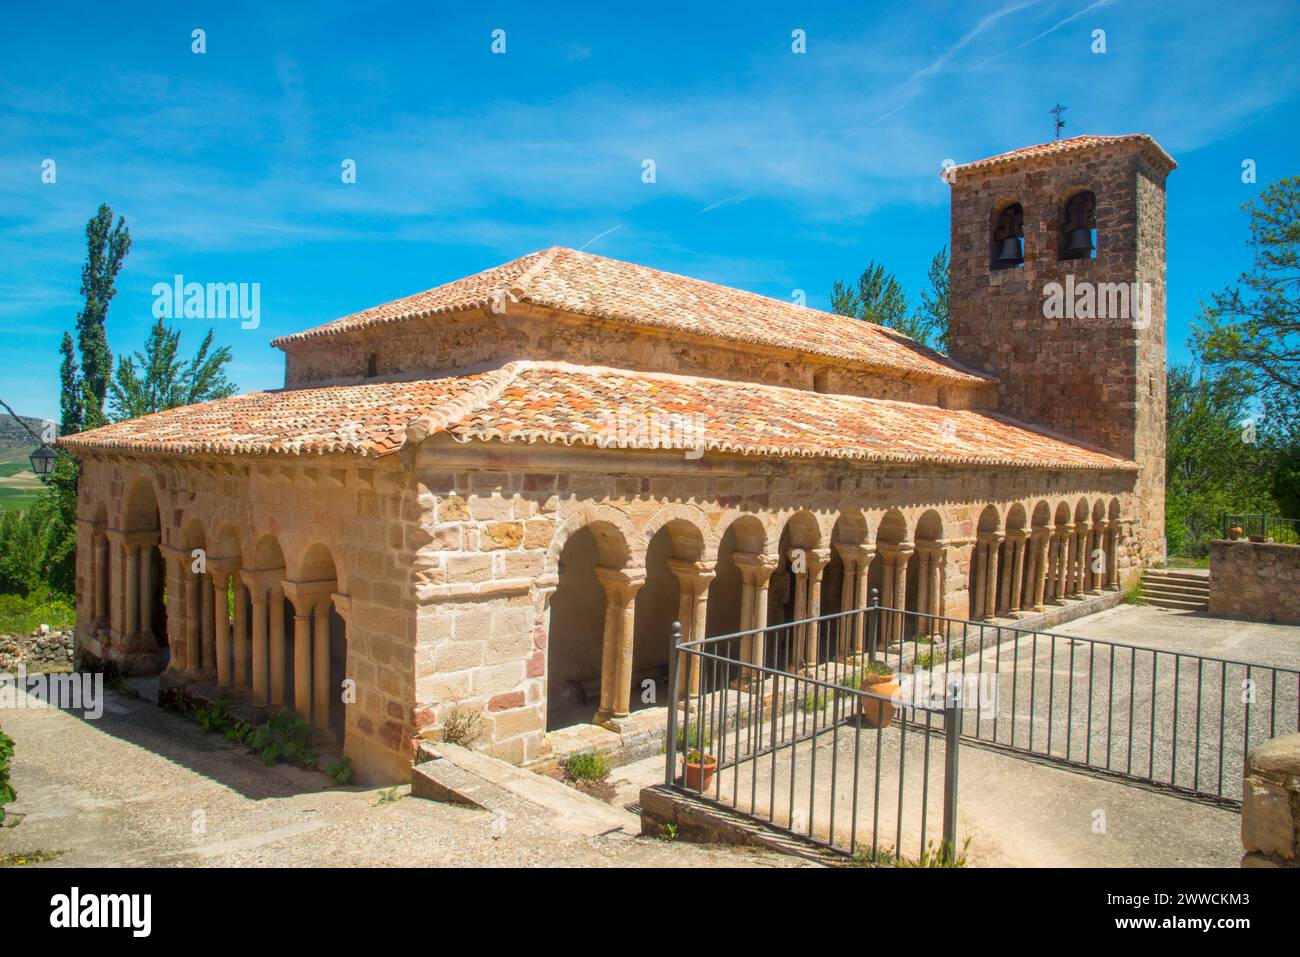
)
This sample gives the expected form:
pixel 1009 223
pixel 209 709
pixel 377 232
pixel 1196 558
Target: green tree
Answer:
pixel 1253 329
pixel 106 248
pixel 158 379
pixel 930 321
pixel 1213 462
pixel 877 297
pixel 69 388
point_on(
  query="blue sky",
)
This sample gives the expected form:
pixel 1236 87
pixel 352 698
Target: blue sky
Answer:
pixel 775 171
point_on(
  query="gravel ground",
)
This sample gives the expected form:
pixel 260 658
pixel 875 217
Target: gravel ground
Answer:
pixel 142 787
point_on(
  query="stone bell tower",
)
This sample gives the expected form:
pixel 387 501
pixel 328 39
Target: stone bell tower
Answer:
pixel 1058 289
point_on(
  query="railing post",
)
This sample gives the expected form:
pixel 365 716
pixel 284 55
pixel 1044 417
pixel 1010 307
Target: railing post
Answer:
pixel 1225 524
pixel 670 750
pixel 873 627
pixel 952 751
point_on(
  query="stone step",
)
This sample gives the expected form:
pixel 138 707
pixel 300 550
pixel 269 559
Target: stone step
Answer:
pixel 456 774
pixel 1184 575
pixel 1174 590
pixel 1181 604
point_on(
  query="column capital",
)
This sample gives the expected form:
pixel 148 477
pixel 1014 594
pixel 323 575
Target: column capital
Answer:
pixel 1016 534
pixel 995 538
pixel 620 583
pixel 754 567
pixel 90 525
pixel 343 605
pixel 222 568
pixel 146 537
pixel 115 535
pixel 261 581
pixel 817 558
pixel 1065 529
pixel 896 549
pixel 697 574
pixel 306 595
pixel 932 547
pixel 1041 533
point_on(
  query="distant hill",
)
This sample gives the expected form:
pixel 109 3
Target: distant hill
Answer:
pixel 13 436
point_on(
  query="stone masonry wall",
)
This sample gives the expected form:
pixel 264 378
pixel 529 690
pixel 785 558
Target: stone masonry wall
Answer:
pixel 496 522
pixel 1270 804
pixel 1098 380
pixel 451 343
pixel 1255 580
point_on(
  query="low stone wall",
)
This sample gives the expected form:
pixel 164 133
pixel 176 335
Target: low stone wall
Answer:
pixel 44 648
pixel 1259 581
pixel 1270 806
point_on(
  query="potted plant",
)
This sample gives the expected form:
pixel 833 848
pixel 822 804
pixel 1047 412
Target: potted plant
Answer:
pixel 700 768
pixel 1235 532
pixel 878 679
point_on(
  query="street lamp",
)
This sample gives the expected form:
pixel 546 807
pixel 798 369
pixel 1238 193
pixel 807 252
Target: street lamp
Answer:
pixel 43 460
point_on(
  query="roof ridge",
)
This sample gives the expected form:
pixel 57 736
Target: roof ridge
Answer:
pixel 477 396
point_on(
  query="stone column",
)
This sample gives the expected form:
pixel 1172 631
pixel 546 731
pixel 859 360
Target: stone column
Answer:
pixel 818 559
pixel 320 681
pixel 1097 579
pixel 146 590
pixel 1112 555
pixel 131 622
pixel 929 599
pixel 1069 553
pixel 220 573
pixel 239 640
pixel 1016 549
pixel 193 611
pixel 1064 534
pixel 101 582
pixel 856 559
pixel 1041 543
pixel 207 623
pixel 693 588
pixel 275 658
pixel 902 552
pixel 1080 560
pixel 257 594
pixel 992 574
pixel 979 583
pixel 621 586
pixel 755 574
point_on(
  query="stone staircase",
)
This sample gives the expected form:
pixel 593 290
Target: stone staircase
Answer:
pixel 1186 589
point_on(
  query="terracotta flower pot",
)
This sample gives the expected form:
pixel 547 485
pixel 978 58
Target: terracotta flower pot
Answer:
pixel 877 713
pixel 700 776
pixel 1235 532
pixel 1258 539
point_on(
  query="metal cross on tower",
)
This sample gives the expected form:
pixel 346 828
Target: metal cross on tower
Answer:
pixel 1060 123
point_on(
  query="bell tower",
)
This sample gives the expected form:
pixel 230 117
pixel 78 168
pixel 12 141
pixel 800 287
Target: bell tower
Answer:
pixel 1058 290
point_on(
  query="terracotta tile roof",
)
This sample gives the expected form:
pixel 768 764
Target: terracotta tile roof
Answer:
pixel 600 288
pixel 569 404
pixel 1070 145
pixel 366 419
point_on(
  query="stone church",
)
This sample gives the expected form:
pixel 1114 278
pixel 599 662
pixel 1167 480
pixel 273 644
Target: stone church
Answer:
pixel 495 496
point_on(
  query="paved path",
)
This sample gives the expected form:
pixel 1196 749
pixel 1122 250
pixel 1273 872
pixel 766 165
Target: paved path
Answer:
pixel 143 787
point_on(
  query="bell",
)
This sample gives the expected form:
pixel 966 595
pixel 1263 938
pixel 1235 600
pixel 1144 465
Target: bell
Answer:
pixel 1080 246
pixel 1010 255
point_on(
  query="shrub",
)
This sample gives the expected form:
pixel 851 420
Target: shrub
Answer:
pixel 286 737
pixel 7 792
pixel 699 739
pixel 341 770
pixel 462 726
pixel 587 766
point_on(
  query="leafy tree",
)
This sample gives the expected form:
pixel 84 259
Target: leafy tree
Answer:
pixel 106 247
pixel 158 379
pixel 1253 329
pixel 1210 466
pixel 930 321
pixel 69 388
pixel 878 297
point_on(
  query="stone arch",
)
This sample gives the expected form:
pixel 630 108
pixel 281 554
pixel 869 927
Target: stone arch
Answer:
pixel 688 526
pixel 611 529
pixel 1076 231
pixel 1006 234
pixel 304 558
pixel 1042 515
pixel 320 647
pixel 142 523
pixel 677 577
pixel 758 532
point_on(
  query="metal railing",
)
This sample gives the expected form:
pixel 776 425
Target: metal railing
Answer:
pixel 782 725
pixel 1167 718
pixel 1271 528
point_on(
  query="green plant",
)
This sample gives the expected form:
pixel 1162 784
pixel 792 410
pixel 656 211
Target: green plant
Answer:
pixel 213 717
pixel 670 832
pixel 341 770
pixel 696 756
pixel 943 856
pixel 699 739
pixel 240 732
pixel 389 796
pixel 1134 595
pixel 7 792
pixel 286 737
pixel 587 766
pixel 462 726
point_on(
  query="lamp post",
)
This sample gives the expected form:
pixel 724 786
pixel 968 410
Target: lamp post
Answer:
pixel 43 460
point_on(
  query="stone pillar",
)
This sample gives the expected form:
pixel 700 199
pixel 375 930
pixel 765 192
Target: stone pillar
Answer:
pixel 239 639
pixel 146 590
pixel 193 611
pixel 895 582
pixel 320 680
pixel 1097 579
pixel 257 594
pixel 101 581
pixel 220 573
pixel 1080 560
pixel 755 574
pixel 979 583
pixel 854 595
pixel 207 623
pixel 131 622
pixel 1270 804
pixel 1041 544
pixel 992 574
pixel 1016 549
pixel 1112 554
pixel 1069 554
pixel 302 660
pixel 929 595
pixel 307 597
pixel 276 658
pixel 693 588
pixel 621 586
pixel 817 559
